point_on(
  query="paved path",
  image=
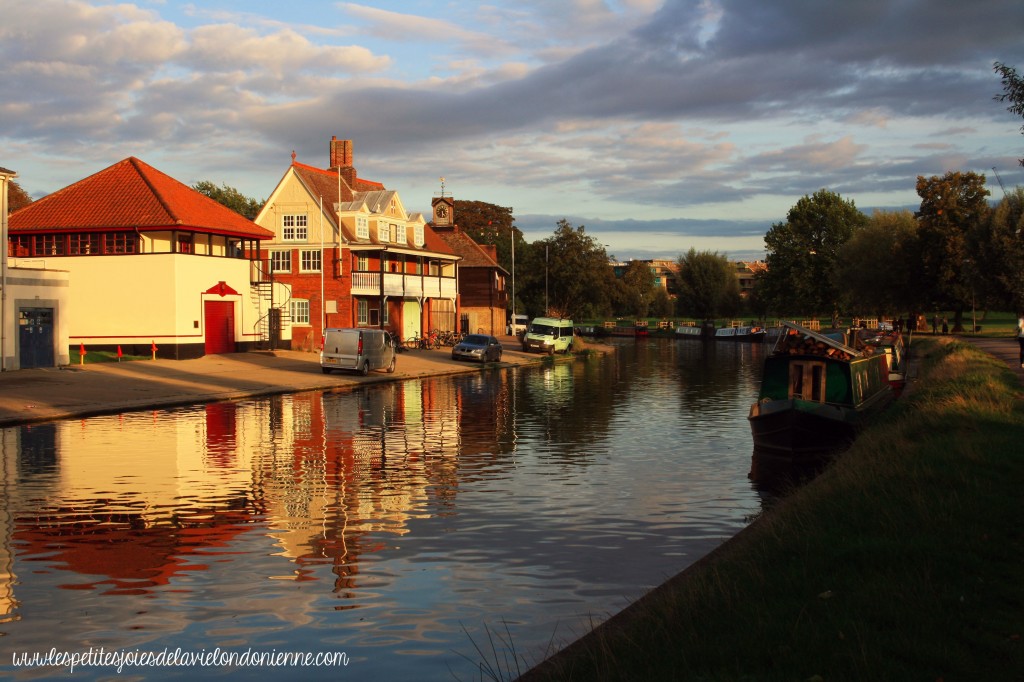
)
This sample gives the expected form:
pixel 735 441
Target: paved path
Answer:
pixel 1003 348
pixel 33 395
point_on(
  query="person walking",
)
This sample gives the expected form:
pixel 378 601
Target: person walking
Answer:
pixel 1020 339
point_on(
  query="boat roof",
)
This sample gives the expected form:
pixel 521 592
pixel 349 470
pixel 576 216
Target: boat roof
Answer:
pixel 817 336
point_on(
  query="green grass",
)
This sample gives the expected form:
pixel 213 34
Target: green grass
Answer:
pixel 94 356
pixel 904 560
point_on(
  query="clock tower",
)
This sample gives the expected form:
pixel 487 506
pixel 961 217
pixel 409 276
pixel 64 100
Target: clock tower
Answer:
pixel 444 208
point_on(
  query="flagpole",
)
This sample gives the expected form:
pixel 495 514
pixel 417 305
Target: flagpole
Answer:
pixel 323 303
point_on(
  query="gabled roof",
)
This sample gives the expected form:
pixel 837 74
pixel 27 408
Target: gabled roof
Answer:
pixel 132 195
pixel 473 255
pixel 325 182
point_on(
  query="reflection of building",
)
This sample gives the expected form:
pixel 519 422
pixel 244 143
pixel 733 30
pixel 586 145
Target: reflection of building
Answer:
pixel 353 256
pixel 151 261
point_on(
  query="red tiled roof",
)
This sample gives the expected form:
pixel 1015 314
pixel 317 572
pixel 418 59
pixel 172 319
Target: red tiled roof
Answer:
pixel 131 195
pixel 324 182
pixel 473 255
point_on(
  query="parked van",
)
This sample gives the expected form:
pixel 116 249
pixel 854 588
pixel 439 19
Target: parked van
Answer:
pixel 517 325
pixel 357 350
pixel 548 335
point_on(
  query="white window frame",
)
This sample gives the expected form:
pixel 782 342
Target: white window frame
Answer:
pixel 294 227
pixel 363 263
pixel 417 235
pixel 299 308
pixel 362 227
pixel 279 258
pixel 382 231
pixel 310 260
pixel 362 312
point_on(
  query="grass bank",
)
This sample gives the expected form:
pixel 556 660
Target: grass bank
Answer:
pixel 904 560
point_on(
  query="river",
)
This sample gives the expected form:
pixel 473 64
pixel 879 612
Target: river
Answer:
pixel 422 529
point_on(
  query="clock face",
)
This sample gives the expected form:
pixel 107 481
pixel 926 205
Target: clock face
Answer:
pixel 441 211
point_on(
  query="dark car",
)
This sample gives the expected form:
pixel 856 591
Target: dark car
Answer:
pixel 478 347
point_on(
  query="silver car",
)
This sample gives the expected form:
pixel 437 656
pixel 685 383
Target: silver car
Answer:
pixel 479 347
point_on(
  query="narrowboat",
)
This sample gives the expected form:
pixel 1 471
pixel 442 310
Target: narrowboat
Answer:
pixel 740 333
pixel 888 342
pixel 816 395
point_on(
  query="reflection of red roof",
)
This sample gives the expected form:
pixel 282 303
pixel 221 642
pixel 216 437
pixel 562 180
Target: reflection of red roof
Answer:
pixel 131 195
pixel 133 556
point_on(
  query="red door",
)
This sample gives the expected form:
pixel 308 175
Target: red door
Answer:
pixel 220 326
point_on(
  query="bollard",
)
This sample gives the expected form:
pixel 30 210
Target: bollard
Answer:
pixel 152 347
pixel 119 353
pixel 81 353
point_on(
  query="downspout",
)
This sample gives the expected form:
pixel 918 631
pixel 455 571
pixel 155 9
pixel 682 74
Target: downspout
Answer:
pixel 4 180
pixel 380 302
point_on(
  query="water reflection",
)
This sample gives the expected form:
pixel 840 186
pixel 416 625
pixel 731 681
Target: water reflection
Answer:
pixel 389 521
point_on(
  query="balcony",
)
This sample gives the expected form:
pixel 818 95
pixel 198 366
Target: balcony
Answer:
pixel 403 286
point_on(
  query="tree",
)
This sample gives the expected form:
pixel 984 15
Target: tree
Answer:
pixel 16 197
pixel 231 198
pixel 875 267
pixel 494 226
pixel 951 207
pixel 1013 91
pixel 707 285
pixel 998 250
pixel 636 289
pixel 568 275
pixel 802 254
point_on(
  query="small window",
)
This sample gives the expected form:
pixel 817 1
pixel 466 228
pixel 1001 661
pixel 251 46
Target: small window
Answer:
pixel 417 235
pixel 281 261
pixel 382 231
pixel 362 312
pixel 309 261
pixel 362 227
pixel 363 263
pixel 300 311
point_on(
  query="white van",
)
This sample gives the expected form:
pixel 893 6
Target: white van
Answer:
pixel 548 335
pixel 357 350
pixel 517 325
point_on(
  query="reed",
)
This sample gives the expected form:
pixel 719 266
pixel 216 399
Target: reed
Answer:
pixel 903 560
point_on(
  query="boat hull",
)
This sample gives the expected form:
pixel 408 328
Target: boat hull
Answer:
pixel 797 430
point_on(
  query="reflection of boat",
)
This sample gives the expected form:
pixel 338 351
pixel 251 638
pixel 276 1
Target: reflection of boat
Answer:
pixel 640 328
pixel 816 394
pixel 890 343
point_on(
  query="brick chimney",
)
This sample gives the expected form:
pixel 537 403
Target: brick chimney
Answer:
pixel 341 153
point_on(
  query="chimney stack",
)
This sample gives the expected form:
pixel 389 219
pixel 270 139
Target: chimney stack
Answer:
pixel 341 153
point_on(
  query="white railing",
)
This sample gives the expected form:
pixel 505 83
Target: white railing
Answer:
pixel 411 286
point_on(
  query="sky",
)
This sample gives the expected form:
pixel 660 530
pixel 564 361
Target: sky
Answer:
pixel 658 126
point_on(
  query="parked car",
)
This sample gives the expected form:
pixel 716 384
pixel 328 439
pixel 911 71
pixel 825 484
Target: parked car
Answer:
pixel 479 347
pixel 357 350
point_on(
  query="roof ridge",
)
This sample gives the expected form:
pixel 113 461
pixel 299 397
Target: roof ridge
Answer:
pixel 136 162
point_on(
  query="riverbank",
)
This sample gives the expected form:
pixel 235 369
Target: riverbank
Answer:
pixel 35 395
pixel 902 561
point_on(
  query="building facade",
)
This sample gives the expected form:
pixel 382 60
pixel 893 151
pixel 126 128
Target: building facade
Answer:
pixel 353 256
pixel 151 264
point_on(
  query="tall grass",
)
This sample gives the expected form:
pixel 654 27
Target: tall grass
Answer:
pixel 904 560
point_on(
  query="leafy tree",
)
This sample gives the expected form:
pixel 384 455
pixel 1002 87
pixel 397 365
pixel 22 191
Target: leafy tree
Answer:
pixel 875 268
pixel 231 198
pixel 16 197
pixel 997 272
pixel 707 285
pixel 662 304
pixel 636 289
pixel 951 207
pixel 1013 91
pixel 568 275
pixel 802 254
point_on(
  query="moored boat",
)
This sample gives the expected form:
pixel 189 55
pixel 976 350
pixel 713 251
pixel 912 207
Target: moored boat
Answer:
pixel 689 332
pixel 890 343
pixel 740 333
pixel 816 395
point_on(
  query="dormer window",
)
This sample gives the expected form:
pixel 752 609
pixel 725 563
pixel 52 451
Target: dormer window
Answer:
pixel 382 231
pixel 362 227
pixel 417 235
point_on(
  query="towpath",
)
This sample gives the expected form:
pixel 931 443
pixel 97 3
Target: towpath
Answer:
pixel 34 395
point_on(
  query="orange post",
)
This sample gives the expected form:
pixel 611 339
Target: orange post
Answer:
pixel 81 353
pixel 119 353
pixel 153 348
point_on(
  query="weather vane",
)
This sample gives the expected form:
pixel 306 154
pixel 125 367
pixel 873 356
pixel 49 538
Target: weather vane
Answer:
pixel 442 186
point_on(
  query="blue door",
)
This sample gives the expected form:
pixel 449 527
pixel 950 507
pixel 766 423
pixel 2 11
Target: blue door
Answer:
pixel 35 337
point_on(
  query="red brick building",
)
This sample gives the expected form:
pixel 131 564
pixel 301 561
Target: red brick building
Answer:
pixel 350 255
